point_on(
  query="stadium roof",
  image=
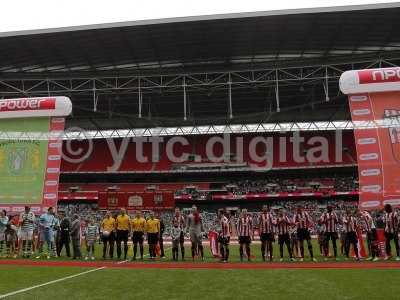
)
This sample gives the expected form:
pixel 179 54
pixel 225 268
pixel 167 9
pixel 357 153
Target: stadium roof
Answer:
pixel 205 42
pixel 303 51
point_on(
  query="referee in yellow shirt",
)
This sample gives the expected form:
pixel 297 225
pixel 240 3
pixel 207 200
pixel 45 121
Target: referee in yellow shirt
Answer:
pixel 138 226
pixel 108 234
pixel 123 228
pixel 153 233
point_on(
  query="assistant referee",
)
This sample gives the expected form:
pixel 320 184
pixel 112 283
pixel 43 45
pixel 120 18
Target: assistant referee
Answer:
pixel 138 226
pixel 153 233
pixel 123 228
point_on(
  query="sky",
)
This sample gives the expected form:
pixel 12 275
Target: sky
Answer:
pixel 19 15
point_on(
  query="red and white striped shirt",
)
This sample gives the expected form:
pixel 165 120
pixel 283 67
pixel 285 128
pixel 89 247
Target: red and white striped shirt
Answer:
pixel 330 221
pixel 225 227
pixel 302 220
pixel 178 220
pixel 267 222
pixel 367 221
pixel 350 224
pixel 283 225
pixel 391 222
pixel 245 226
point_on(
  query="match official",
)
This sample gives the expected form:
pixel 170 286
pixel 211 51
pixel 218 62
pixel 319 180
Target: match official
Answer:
pixel 138 226
pixel 153 234
pixel 123 228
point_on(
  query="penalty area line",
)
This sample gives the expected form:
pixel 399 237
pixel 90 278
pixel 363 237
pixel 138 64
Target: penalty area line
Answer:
pixel 49 282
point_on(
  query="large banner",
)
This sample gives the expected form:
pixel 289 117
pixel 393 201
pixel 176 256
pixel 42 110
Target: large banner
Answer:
pixel 30 151
pixel 374 99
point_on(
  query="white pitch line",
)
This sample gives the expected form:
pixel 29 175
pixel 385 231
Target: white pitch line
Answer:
pixel 122 262
pixel 61 279
pixel 48 283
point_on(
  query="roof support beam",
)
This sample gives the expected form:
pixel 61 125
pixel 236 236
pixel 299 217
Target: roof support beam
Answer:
pixel 140 99
pixel 205 81
pixel 278 107
pixel 184 98
pixel 326 85
pixel 230 95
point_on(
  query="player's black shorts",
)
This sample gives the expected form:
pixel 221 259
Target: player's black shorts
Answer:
pixel 244 240
pixel 303 234
pixel 267 237
pixel 390 235
pixel 110 238
pixel 122 235
pixel 331 236
pixel 152 238
pixel 372 235
pixel 138 237
pixel 224 240
pixel 351 237
pixel 282 238
pixel 182 238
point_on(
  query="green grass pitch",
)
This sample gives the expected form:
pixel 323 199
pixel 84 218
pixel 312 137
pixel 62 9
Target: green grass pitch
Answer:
pixel 201 284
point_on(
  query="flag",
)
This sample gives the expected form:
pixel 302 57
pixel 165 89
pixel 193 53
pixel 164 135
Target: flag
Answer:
pixel 213 239
pixel 360 245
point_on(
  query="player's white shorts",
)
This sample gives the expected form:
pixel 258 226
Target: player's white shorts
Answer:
pixel 2 237
pixel 26 235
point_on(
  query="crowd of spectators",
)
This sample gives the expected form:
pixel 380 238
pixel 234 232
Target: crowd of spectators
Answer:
pixel 277 185
pixel 314 207
pixel 84 210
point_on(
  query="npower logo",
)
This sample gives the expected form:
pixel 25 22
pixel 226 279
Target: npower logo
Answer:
pixel 379 75
pixel 27 104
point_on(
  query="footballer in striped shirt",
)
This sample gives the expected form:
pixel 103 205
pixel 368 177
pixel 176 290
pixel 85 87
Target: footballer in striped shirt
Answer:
pixel 330 221
pixel 391 219
pixel 303 222
pixel 91 234
pixel 224 234
pixel 245 232
pixel 266 225
pixel 283 224
pixel 369 226
pixel 350 227
pixel 27 223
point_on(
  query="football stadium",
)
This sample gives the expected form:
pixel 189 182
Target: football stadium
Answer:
pixel 236 156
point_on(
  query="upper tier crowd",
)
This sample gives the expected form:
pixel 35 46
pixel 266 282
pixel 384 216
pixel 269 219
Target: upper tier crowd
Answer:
pixel 279 185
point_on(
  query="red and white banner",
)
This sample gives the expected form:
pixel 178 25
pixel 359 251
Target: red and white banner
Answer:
pixel 374 96
pixel 52 173
pixel 35 107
